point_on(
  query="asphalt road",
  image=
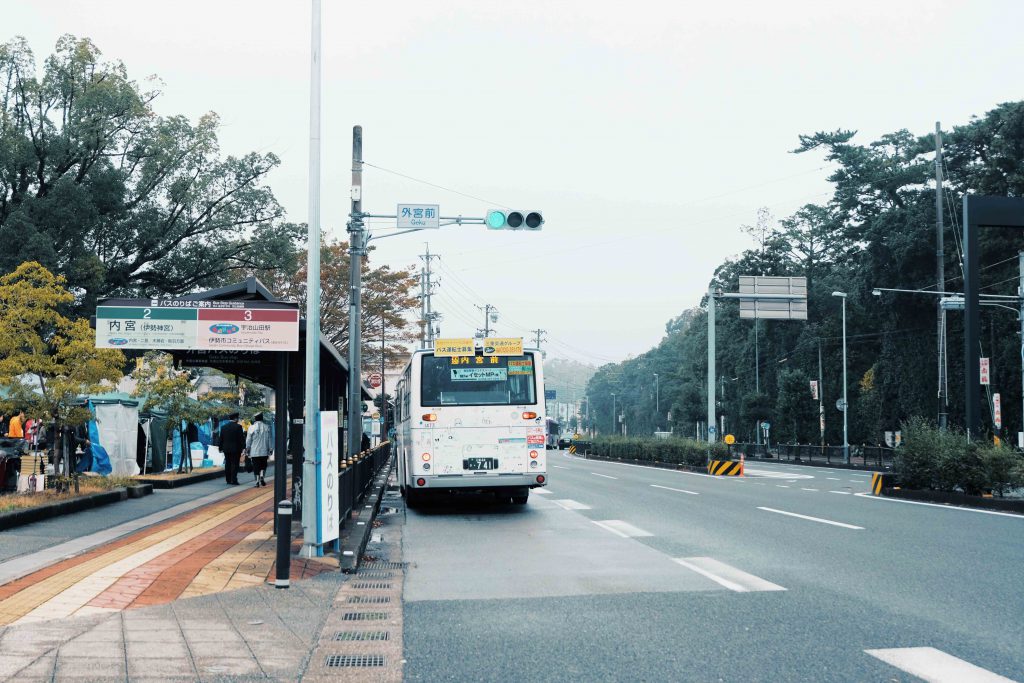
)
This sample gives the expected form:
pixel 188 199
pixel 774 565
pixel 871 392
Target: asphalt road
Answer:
pixel 624 573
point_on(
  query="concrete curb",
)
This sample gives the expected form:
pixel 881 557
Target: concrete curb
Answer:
pixel 15 518
pixel 354 538
pixel 140 490
pixel 648 463
pixel 194 478
pixel 958 499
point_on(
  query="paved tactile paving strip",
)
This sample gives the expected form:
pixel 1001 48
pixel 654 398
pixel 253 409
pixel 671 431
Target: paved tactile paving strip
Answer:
pixel 362 637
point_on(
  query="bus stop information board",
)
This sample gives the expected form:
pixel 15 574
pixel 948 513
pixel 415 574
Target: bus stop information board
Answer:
pixel 185 324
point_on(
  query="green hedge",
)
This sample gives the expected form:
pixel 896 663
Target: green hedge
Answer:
pixel 676 451
pixel 945 461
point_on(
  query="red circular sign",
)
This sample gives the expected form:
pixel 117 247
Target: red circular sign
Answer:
pixel 375 380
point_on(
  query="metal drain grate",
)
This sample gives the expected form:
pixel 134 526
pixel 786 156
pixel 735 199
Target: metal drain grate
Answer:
pixel 362 635
pixel 369 585
pixel 354 660
pixel 364 616
pixel 375 575
pixel 369 599
pixel 387 565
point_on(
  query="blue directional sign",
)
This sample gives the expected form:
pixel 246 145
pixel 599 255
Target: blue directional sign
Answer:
pixel 549 394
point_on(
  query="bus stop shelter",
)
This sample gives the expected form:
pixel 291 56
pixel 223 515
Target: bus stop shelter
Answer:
pixel 284 371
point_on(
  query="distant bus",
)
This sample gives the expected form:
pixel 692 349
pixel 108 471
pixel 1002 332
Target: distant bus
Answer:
pixel 471 423
pixel 552 430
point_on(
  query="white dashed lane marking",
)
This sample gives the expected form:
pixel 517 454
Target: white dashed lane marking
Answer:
pixel 562 468
pixel 543 492
pixel 811 519
pixel 725 575
pixel 620 528
pixel 669 488
pixel 603 475
pixel 935 665
pixel 568 504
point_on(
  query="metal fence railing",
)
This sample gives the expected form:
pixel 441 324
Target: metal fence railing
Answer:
pixel 356 474
pixel 860 455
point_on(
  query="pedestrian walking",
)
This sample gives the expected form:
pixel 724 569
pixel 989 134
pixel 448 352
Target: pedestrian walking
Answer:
pixel 232 443
pixel 258 448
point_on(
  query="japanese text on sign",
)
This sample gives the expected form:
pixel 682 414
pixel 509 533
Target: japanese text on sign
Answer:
pixel 503 346
pixel 411 216
pixel 454 347
pixel 984 371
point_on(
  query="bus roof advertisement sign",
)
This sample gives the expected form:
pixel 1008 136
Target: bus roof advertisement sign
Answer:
pixel 454 347
pixel 503 346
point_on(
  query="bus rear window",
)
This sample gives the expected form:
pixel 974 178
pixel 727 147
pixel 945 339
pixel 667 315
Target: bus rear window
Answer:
pixel 478 381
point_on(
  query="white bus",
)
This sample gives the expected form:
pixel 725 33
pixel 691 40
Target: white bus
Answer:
pixel 471 423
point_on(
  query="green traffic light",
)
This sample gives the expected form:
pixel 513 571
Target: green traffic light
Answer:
pixel 495 219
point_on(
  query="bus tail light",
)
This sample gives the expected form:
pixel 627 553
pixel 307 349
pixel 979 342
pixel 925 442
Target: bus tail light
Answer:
pixel 529 416
pixel 533 454
pixel 540 479
pixel 423 482
pixel 426 457
pixel 430 417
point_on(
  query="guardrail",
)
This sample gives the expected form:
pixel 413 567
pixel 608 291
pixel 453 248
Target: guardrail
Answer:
pixel 355 475
pixel 860 456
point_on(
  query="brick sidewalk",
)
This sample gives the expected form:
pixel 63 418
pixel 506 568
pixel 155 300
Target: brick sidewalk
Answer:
pixel 218 547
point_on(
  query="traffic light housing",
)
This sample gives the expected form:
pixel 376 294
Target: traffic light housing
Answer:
pixel 515 219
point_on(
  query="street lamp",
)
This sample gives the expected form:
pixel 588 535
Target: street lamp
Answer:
pixel 846 403
pixel 657 401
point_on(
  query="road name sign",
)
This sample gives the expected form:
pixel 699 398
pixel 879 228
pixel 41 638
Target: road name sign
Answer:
pixel 197 325
pixel 418 216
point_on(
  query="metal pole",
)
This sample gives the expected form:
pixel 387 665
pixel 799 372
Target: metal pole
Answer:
pixel 383 385
pixel 711 362
pixel 657 400
pixel 312 384
pixel 821 397
pixel 940 274
pixel 429 310
pixel 1020 292
pixel 357 251
pixel 615 416
pixel 846 403
pixel 280 432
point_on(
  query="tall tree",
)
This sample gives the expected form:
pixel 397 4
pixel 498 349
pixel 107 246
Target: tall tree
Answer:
pixel 99 188
pixel 387 300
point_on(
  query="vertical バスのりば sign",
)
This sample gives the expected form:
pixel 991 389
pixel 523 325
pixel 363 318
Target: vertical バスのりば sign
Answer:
pixel 327 479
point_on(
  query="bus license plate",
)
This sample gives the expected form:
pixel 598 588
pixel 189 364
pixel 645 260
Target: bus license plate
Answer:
pixel 480 464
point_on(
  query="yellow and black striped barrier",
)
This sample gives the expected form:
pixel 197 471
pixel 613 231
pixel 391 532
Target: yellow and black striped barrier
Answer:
pixel 572 449
pixel 726 468
pixel 881 481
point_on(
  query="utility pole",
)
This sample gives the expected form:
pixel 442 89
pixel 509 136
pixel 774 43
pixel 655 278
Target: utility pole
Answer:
pixel 357 250
pixel 426 291
pixel 311 423
pixel 940 274
pixel 490 316
pixel 537 336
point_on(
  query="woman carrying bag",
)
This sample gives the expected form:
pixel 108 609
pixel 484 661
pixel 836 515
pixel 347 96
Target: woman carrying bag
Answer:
pixel 257 448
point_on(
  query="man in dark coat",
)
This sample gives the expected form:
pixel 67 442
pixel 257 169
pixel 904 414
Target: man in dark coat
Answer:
pixel 232 443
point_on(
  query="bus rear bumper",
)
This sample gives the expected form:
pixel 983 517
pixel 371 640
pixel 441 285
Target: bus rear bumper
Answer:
pixel 479 482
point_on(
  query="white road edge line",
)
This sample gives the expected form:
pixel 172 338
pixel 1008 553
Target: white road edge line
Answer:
pixel 812 519
pixel 935 665
pixel 603 475
pixel 726 575
pixel 939 505
pixel 669 488
pixel 569 504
